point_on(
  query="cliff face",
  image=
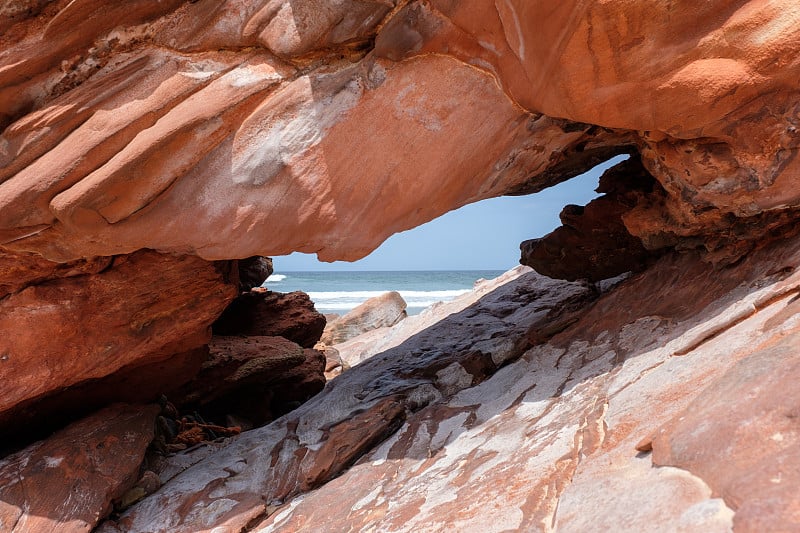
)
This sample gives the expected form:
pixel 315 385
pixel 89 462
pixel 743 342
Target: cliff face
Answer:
pixel 141 141
pixel 254 112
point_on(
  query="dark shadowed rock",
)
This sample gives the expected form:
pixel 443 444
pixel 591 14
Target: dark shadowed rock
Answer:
pixel 273 314
pixel 254 271
pixel 253 377
pixel 138 312
pixel 593 242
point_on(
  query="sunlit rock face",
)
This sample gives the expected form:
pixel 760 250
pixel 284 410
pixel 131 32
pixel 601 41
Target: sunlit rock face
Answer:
pixel 141 141
pixel 234 129
pixel 543 406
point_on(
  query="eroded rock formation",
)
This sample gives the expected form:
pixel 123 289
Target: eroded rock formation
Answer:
pixel 239 105
pixel 86 323
pixel 381 311
pixel 593 243
pixel 146 146
pixel 68 483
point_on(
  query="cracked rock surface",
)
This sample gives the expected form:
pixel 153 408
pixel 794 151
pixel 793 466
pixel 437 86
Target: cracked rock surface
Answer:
pixel 145 145
pixel 467 425
pixel 301 125
pixel 549 442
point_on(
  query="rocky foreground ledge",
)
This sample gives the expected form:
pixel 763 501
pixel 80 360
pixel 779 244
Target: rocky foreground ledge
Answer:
pixel 542 405
pixel 152 153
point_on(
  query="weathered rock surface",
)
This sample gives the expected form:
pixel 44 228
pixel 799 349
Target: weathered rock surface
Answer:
pixel 593 242
pixel 356 411
pixel 254 271
pixel 68 482
pixel 273 96
pixel 754 407
pixel 254 378
pixel 226 130
pixel 273 314
pixel 21 269
pixel 382 311
pixel 548 443
pixel 138 311
pixel 367 344
pixel 464 435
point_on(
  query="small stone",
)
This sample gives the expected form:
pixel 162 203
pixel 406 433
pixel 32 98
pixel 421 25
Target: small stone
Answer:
pixel 645 445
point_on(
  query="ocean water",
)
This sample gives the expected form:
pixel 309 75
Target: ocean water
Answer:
pixel 339 292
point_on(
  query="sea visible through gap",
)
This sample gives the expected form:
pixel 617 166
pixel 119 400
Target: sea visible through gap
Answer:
pixel 340 292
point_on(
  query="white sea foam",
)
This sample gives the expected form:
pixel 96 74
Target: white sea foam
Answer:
pixel 333 295
pixel 347 300
pixel 275 278
pixel 349 306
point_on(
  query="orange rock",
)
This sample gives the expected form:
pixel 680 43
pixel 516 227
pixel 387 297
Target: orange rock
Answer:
pixel 272 126
pixel 741 436
pixel 68 481
pixel 144 308
pixel 196 105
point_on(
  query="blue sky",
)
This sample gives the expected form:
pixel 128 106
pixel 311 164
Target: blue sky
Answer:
pixel 480 236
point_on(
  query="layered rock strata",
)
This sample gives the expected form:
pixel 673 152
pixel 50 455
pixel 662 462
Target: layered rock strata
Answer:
pixel 238 106
pixel 593 242
pixel 86 323
pixel 70 481
pixel 140 141
pixel 463 434
pixel 355 412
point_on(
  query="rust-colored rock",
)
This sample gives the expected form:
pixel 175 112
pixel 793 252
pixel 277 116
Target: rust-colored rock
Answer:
pixel 753 407
pixel 548 442
pixel 69 481
pixel 381 311
pixel 22 269
pixel 299 125
pixel 266 127
pixel 254 378
pixel 273 314
pixel 354 412
pixel 253 271
pixel 593 242
pixel 141 310
pixel 143 381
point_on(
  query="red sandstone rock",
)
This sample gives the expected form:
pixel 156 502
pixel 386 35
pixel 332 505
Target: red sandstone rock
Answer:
pixel 68 481
pixel 273 314
pixel 548 442
pixel 381 311
pixel 20 269
pixel 366 345
pixel 546 100
pixel 141 310
pixel 593 243
pixel 355 412
pixel 274 126
pixel 143 381
pixel 253 377
pixel 753 407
